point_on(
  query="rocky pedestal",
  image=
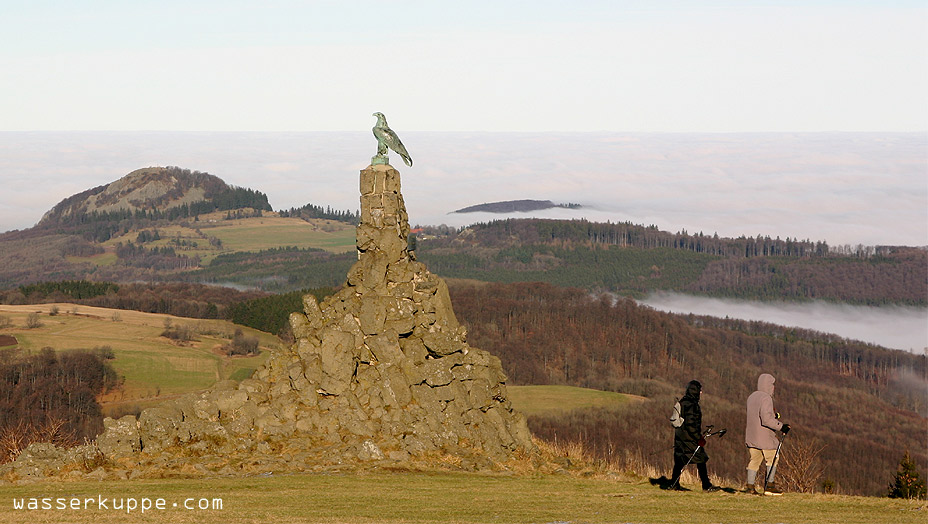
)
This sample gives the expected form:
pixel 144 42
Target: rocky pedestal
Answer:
pixel 380 371
pixel 385 356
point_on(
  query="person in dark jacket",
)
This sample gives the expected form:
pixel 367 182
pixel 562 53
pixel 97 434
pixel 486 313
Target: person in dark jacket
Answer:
pixel 688 441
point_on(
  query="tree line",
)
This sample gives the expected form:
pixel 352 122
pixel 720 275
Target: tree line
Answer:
pixel 271 313
pixel 310 211
pixel 277 270
pixel 634 260
pixel 180 299
pixel 75 289
pixel 626 234
pixel 51 396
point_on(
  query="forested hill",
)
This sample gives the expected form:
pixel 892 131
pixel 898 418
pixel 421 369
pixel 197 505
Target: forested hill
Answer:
pixel 518 206
pixel 862 405
pixel 633 260
pixel 152 193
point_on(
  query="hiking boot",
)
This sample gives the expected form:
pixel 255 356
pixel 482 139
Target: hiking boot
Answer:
pixel 772 490
pixel 712 489
pixel 751 490
pixel 678 488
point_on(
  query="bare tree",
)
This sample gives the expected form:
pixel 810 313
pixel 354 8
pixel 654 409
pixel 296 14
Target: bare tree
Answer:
pixel 802 469
pixel 33 321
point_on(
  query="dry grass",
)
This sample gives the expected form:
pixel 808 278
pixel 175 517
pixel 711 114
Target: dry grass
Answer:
pixel 16 437
pixel 244 234
pixel 445 497
pixel 152 365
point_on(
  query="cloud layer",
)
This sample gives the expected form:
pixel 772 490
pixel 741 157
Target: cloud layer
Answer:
pixel 845 188
pixel 892 327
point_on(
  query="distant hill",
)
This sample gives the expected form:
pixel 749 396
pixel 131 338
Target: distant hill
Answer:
pixel 515 206
pixel 168 224
pixel 154 192
pixel 165 224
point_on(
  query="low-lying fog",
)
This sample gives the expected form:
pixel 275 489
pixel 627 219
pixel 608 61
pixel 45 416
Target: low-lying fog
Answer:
pixel 889 326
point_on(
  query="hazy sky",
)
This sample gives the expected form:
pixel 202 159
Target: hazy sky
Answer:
pixel 631 66
pixel 845 188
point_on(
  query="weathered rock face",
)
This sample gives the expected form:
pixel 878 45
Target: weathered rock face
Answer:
pixel 386 357
pixel 380 371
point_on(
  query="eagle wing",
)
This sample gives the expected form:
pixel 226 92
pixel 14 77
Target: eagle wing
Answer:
pixel 389 138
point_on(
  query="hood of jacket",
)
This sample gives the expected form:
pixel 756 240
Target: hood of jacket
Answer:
pixel 693 389
pixel 765 383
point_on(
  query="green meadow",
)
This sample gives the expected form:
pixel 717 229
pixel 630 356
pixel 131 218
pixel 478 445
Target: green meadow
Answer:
pixel 152 365
pixel 237 235
pixel 255 234
pixel 544 400
pixel 431 497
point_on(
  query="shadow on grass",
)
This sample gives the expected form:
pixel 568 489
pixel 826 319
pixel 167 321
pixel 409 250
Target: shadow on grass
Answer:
pixel 665 483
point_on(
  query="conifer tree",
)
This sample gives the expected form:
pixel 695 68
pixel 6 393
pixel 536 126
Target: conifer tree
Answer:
pixel 907 483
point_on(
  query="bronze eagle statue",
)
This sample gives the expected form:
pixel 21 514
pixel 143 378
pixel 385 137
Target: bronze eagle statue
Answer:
pixel 386 138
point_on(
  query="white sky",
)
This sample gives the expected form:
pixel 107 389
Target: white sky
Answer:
pixel 721 66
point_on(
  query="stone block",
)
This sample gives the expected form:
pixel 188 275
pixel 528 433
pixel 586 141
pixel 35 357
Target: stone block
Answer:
pixel 402 326
pixel 440 344
pixel 366 185
pixel 425 397
pixel 437 372
pixel 338 362
pixel 370 451
pixel 374 312
pixel 299 325
pixel 414 349
pixel 120 437
pixel 444 393
pixel 391 181
pixel 394 385
pixel 158 428
pixel 385 347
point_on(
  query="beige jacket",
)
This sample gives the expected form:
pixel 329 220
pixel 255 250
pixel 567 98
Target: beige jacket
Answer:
pixel 762 423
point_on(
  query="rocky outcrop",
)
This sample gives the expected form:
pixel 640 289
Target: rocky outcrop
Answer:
pixel 380 373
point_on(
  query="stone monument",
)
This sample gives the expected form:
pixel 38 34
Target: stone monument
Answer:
pixel 380 373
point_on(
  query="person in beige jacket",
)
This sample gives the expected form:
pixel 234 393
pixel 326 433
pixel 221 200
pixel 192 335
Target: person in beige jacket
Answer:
pixel 760 433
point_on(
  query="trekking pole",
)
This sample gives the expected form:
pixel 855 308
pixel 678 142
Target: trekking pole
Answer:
pixel 774 464
pixel 709 433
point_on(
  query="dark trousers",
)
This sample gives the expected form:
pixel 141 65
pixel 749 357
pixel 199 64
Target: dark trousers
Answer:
pixel 700 468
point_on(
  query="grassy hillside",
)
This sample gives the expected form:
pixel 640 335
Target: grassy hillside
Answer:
pixel 551 400
pixel 407 497
pixel 153 365
pixel 246 235
pixel 160 250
